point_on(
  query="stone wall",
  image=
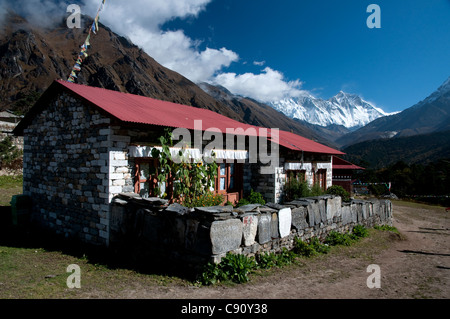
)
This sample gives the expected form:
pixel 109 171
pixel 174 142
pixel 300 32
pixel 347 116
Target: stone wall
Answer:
pixel 271 186
pixel 66 169
pixel 151 227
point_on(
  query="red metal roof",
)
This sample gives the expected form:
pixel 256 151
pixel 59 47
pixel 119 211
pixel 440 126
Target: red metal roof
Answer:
pixel 339 163
pixel 298 143
pixel 139 109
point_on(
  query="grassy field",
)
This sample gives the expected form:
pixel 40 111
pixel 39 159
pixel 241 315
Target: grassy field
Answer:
pixel 37 269
pixel 33 266
pixel 9 186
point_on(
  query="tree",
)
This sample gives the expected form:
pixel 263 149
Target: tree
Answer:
pixel 10 155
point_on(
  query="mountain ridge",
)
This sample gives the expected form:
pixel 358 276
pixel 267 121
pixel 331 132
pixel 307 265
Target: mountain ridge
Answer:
pixel 427 116
pixel 32 57
pixel 346 109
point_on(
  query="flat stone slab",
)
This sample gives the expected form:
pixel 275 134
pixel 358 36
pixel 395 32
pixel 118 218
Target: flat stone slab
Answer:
pixel 247 208
pixel 284 222
pixel 299 215
pixel 177 209
pixel 215 212
pixel 249 229
pixel 226 235
pixel 274 226
pixel 266 209
pixel 264 228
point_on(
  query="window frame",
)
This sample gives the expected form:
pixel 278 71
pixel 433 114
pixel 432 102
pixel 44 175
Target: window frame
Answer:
pixel 237 176
pixel 152 179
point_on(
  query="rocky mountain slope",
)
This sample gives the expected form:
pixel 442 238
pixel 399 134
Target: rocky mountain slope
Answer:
pixel 428 116
pixel 32 57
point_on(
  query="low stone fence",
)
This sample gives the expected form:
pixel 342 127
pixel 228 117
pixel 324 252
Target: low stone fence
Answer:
pixel 150 227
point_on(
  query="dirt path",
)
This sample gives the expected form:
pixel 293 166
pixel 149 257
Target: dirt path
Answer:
pixel 415 265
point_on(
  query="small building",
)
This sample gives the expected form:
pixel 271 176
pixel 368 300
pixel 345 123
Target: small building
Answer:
pixel 343 173
pixel 83 146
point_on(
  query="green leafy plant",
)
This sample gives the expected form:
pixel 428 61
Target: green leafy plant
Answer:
pixel 211 274
pixel 235 268
pixel 242 202
pixel 387 228
pixel 10 155
pixel 319 247
pixel 204 200
pixel 339 191
pixel 256 198
pixel 359 231
pixel 296 188
pixel 285 257
pixel 316 190
pixel 303 249
pixel 335 238
pixel 191 181
pixel 266 260
pixel 252 198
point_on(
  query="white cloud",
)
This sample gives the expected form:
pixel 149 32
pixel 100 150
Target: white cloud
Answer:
pixel 140 20
pixel 44 13
pixel 267 86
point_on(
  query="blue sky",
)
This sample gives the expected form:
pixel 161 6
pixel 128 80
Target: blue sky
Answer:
pixel 328 46
pixel 270 50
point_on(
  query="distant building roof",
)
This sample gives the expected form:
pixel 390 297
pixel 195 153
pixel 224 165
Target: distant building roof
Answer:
pixel 144 110
pixel 339 163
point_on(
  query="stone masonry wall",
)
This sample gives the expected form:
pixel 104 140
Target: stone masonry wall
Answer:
pixel 192 236
pixel 66 169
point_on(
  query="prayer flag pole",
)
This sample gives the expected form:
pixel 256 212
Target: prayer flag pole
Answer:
pixel 83 52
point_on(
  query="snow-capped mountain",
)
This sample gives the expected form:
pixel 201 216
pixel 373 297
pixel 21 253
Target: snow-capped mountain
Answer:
pixel 428 116
pixel 344 109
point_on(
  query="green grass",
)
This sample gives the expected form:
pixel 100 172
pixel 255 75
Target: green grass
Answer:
pixel 29 271
pixel 10 186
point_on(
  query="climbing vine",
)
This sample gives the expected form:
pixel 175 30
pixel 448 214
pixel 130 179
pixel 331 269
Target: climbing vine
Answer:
pixel 191 181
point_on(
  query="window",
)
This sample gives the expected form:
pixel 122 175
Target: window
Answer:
pixel 299 175
pixel 145 176
pixel 229 178
pixel 320 178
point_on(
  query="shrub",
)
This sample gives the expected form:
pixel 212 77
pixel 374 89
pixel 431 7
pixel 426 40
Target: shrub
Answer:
pixel 339 191
pixel 316 190
pixel 10 155
pixel 334 238
pixel 285 257
pixel 256 198
pixel 233 267
pixel 359 231
pixel 253 198
pixel 266 260
pixel 294 189
pixel 242 202
pixel 204 200
pixel 318 246
pixel 237 267
pixel 303 249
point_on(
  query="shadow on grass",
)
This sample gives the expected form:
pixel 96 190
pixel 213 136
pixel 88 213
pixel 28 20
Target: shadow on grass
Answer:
pixel 29 236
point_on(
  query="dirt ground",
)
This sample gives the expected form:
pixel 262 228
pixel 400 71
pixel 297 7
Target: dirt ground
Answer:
pixel 415 264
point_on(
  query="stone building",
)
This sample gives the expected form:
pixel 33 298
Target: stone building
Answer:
pixel 343 173
pixel 83 146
